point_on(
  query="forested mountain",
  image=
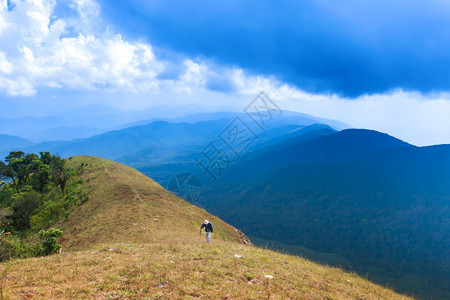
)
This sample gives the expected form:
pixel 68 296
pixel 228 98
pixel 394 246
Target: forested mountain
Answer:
pixel 315 144
pixel 365 195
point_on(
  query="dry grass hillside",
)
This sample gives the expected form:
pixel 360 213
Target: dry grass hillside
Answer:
pixel 134 240
pixel 126 206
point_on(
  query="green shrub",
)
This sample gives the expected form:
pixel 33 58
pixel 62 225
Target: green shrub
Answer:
pixel 24 204
pixel 37 250
pixel 21 249
pixel 49 213
pixel 6 247
pixel 50 242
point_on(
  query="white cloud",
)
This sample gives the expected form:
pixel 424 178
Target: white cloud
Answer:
pixel 42 52
pixel 20 86
pixel 87 9
pixel 5 65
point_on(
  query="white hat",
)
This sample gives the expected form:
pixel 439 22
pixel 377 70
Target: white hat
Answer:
pixel 206 222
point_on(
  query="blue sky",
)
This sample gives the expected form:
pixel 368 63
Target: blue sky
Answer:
pixel 373 64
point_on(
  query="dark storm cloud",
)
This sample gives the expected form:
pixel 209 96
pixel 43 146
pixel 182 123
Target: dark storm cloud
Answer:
pixel 346 47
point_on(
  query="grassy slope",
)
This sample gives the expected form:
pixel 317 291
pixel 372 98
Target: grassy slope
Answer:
pixel 126 206
pixel 133 240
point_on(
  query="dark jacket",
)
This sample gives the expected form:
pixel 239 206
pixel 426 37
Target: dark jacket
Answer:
pixel 208 227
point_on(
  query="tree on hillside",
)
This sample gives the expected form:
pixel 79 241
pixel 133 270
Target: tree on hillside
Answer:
pixel 5 219
pixel 21 166
pixel 19 170
pixel 14 155
pixel 60 174
pixel 40 174
pixel 24 205
pixel 36 171
pixel 45 157
pixel 6 247
pixel 2 170
pixel 6 171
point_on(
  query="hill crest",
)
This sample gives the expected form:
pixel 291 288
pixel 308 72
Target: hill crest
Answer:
pixel 126 206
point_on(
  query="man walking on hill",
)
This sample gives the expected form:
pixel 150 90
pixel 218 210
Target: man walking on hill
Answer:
pixel 208 230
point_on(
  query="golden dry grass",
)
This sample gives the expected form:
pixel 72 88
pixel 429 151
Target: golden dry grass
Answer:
pixel 182 267
pixel 133 240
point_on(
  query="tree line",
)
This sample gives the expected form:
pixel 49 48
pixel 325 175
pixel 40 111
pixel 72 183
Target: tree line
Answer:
pixel 34 170
pixel 35 192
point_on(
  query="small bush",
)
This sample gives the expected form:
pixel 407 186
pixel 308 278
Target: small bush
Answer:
pixel 37 249
pixel 50 244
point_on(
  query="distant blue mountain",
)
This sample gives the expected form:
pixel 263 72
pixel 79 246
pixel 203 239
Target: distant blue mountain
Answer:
pixel 156 135
pixel 316 144
pixel 65 133
pixel 288 117
pixel 159 140
pixel 9 143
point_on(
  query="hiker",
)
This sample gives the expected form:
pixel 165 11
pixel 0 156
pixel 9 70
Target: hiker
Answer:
pixel 208 230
